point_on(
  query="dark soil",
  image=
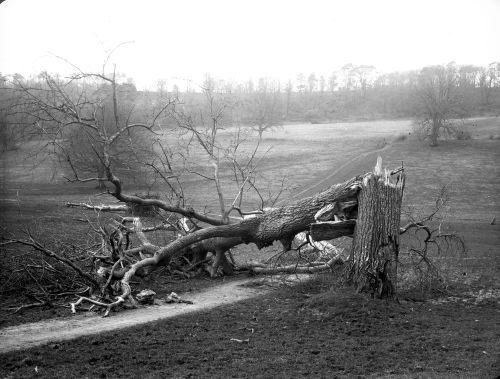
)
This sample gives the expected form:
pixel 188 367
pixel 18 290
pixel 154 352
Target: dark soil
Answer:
pixel 311 330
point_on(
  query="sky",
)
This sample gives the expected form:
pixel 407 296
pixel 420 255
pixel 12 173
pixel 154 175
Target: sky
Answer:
pixel 239 40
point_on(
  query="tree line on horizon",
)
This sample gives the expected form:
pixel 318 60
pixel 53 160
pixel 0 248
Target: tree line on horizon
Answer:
pixel 355 92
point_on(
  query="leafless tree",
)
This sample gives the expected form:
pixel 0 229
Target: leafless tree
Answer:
pixel 264 108
pixel 439 102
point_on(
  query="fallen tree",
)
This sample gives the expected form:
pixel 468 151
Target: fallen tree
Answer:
pixel 375 240
pixel 366 207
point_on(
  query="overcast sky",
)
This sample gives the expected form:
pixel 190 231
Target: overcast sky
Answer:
pixel 239 40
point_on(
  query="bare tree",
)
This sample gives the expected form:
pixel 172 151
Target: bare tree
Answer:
pixel 439 102
pixel 312 82
pixel 489 79
pixel 264 108
pixel 301 83
pixel 322 84
pixel 332 82
pixel 13 128
pixel 363 75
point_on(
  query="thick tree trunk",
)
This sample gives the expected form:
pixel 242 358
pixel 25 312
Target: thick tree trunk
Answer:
pixel 373 262
pixel 436 125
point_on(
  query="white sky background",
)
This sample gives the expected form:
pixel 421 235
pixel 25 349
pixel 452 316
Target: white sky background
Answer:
pixel 244 39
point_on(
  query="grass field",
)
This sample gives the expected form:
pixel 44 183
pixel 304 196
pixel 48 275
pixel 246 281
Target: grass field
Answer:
pixel 317 329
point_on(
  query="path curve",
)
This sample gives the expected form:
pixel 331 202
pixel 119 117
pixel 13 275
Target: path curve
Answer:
pixel 29 335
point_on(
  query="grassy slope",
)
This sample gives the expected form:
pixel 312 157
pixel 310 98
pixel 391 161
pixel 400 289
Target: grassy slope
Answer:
pixel 325 333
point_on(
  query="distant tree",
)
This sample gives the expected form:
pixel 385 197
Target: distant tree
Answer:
pixel 312 82
pixel 322 84
pixel 6 140
pixel 438 102
pixel 13 129
pixel 161 86
pixel 301 83
pixel 332 82
pixel 249 86
pixel 288 99
pixel 347 76
pixel 264 107
pixel 363 76
pixel 175 90
pixel 489 78
pixel 469 76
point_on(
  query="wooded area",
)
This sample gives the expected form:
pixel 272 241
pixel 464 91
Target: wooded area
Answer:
pixel 433 96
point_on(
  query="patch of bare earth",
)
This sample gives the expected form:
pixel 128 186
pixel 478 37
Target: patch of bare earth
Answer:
pixel 313 329
pixel 55 330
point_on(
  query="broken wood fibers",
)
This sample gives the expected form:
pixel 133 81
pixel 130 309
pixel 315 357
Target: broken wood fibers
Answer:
pixel 375 248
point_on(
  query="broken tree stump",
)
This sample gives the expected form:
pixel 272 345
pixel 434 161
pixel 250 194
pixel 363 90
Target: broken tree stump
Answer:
pixel 372 265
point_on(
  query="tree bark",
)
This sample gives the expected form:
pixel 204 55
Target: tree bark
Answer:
pixel 374 255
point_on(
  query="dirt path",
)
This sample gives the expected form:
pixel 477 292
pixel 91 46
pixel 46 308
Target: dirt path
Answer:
pixel 39 333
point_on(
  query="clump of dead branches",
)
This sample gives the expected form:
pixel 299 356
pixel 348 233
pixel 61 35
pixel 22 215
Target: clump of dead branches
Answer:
pixel 428 247
pixel 46 276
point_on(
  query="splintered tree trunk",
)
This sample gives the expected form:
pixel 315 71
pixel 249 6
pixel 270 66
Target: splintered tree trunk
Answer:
pixel 375 248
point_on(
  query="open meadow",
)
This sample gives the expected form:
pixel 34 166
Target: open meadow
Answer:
pixel 316 328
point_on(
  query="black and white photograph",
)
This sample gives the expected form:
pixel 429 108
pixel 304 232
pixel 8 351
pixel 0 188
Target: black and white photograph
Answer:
pixel 250 189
